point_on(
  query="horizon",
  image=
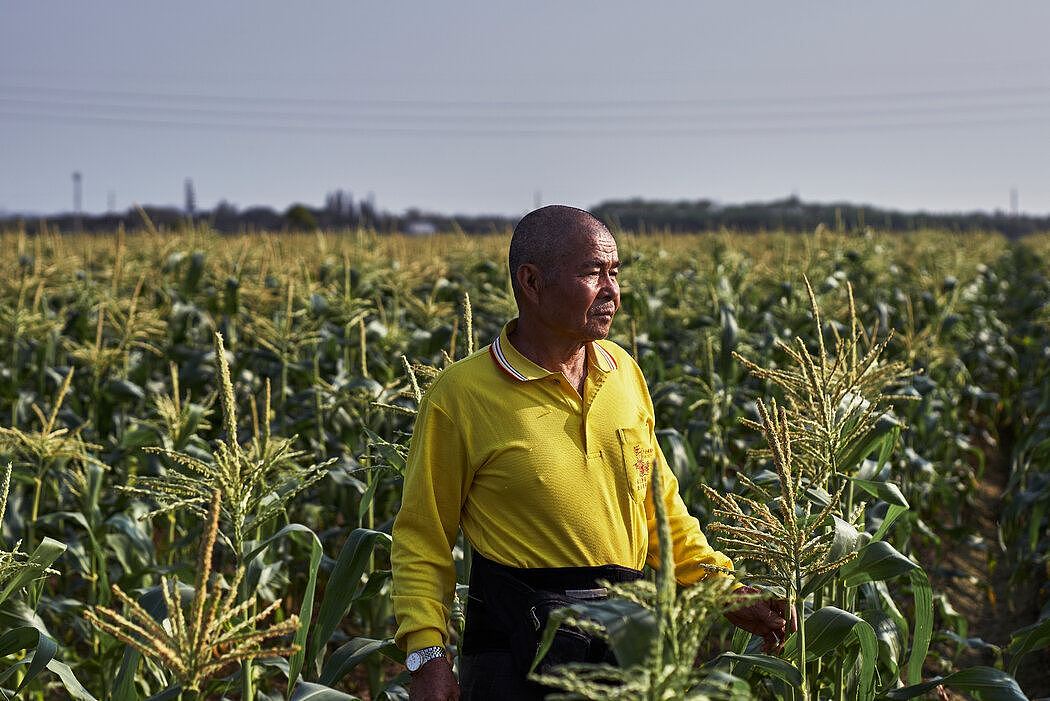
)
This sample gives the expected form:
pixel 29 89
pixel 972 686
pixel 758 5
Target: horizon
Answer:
pixel 9 214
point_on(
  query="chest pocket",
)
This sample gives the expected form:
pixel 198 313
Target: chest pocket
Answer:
pixel 639 459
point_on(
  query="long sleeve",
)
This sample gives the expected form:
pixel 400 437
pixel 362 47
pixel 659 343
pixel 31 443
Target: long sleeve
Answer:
pixel 691 549
pixel 437 478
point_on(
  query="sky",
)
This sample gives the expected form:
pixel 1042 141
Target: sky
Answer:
pixel 490 107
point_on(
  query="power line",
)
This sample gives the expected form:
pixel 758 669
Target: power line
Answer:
pixel 524 103
pixel 498 131
pixel 764 114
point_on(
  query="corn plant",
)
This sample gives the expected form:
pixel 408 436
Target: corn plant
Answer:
pixel 256 482
pixel 216 632
pixel 48 449
pixel 812 543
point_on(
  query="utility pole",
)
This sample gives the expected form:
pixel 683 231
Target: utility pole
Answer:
pixel 111 201
pixel 76 200
pixel 537 198
pixel 1015 208
pixel 191 198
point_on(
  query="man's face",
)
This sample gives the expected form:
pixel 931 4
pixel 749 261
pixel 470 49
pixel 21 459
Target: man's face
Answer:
pixel 581 295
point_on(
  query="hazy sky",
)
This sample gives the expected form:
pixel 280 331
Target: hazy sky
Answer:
pixel 476 106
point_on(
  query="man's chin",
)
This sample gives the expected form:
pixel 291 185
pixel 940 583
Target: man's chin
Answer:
pixel 598 329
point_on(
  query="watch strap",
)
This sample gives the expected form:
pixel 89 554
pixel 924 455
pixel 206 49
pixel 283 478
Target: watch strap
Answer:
pixel 426 655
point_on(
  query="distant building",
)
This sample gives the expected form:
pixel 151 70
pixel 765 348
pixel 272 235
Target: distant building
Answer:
pixel 420 228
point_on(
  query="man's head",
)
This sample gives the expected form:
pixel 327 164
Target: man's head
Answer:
pixel 563 267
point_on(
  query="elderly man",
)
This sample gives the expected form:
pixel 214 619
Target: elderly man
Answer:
pixel 540 448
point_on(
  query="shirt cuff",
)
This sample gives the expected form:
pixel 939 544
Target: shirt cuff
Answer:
pixel 428 637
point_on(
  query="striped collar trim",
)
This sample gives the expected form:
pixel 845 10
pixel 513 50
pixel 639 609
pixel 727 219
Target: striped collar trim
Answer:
pixel 496 351
pixel 518 367
pixel 605 360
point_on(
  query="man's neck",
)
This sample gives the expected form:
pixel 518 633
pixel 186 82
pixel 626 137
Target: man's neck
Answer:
pixel 549 350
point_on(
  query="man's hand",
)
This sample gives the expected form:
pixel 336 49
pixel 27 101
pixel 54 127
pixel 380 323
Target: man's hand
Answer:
pixel 434 681
pixel 770 619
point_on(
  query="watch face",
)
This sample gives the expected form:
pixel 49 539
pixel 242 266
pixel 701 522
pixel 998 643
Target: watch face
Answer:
pixel 413 661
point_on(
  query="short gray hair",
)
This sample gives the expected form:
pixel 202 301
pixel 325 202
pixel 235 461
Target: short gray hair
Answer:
pixel 540 236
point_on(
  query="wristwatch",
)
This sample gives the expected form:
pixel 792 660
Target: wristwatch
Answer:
pixel 419 658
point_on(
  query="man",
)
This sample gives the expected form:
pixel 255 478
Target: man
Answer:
pixel 540 448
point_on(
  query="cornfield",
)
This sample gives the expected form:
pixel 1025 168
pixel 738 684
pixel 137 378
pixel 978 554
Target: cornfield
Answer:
pixel 203 439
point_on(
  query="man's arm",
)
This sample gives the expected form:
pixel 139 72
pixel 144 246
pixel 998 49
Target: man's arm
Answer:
pixel 691 549
pixel 771 619
pixel 437 478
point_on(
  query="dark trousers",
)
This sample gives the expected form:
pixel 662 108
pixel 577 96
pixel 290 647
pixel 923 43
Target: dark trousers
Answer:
pixel 507 611
pixel 495 675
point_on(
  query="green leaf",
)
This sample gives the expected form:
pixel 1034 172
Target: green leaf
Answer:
pixel 46 553
pixel 341 588
pixel 891 639
pixel 880 561
pixel 886 491
pixel 741 639
pixel 847 539
pixel 138 437
pixel 889 493
pixel 679 457
pixel 45 652
pixel 306 610
pixel 152 599
pixel 374 480
pixel 305 691
pixel 121 389
pixel 21 638
pixel 133 529
pixel 1027 639
pixel 350 654
pixel 883 436
pixel 29 638
pixel 877 561
pixel 172 692
pixel 831 629
pixel 985 683
pixel 773 666
pixel 16 613
pixel 124 685
pixel 719 684
pixel 74 688
pixel 7 673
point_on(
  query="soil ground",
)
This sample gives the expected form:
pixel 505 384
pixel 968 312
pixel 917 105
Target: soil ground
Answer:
pixel 972 572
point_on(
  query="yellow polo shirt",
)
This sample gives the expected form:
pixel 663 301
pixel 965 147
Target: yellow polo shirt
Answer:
pixel 535 475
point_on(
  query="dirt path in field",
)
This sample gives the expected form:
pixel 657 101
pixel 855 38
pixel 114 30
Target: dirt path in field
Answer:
pixel 979 588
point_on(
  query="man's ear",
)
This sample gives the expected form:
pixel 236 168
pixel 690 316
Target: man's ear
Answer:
pixel 530 282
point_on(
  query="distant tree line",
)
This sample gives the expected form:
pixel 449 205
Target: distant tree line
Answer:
pixel 342 210
pixel 792 214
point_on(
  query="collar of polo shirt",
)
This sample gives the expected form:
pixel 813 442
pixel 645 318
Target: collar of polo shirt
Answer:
pixel 518 367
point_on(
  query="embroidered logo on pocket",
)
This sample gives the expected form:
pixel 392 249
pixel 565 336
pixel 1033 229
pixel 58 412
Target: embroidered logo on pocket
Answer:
pixel 639 457
pixel 643 462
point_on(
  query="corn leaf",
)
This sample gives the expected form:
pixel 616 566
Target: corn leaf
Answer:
pixel 305 691
pixel 986 683
pixel 342 585
pixel 1027 639
pixel 880 561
